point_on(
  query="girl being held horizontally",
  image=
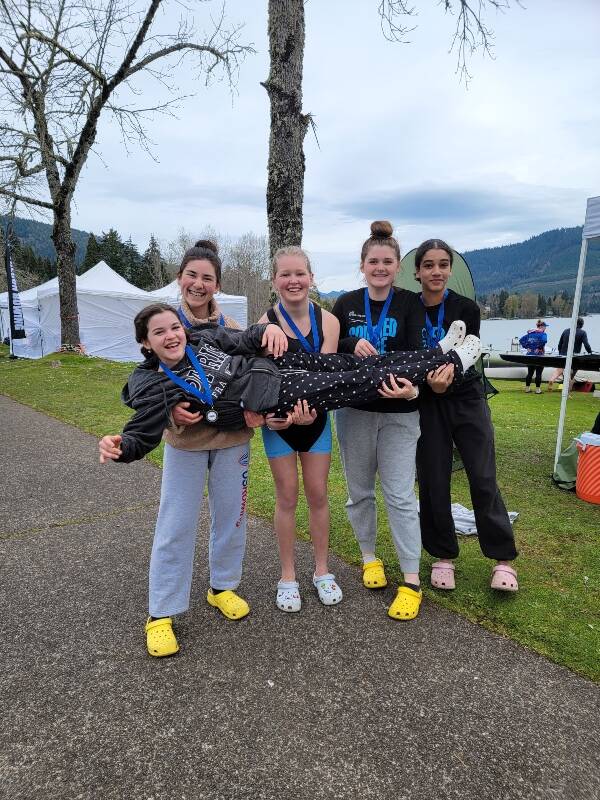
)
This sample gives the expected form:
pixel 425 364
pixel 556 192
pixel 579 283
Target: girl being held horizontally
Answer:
pixel 305 437
pixel 381 437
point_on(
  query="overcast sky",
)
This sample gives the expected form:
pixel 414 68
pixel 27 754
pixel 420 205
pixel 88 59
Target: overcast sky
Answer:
pixel 399 137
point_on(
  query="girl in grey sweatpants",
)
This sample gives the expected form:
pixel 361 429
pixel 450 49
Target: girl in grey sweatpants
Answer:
pixel 183 480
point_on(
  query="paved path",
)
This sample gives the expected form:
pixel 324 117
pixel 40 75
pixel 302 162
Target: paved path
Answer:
pixel 329 703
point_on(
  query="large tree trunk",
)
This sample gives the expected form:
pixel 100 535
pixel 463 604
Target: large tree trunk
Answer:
pixel 67 287
pixel 285 185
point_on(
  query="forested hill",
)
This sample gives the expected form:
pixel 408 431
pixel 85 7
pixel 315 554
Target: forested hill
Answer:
pixel 545 263
pixel 37 236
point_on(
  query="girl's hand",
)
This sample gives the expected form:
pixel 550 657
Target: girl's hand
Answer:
pixel 302 414
pixel 398 389
pixel 274 423
pixel 364 348
pixel 253 419
pixel 183 417
pixel 440 379
pixel 275 340
pixel 109 448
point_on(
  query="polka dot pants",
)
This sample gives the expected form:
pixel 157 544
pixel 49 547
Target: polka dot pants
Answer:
pixel 336 380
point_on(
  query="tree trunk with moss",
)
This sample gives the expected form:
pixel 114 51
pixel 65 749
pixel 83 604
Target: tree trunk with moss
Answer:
pixel 285 183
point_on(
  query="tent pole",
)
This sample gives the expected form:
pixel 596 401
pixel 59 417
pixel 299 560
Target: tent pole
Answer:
pixel 567 373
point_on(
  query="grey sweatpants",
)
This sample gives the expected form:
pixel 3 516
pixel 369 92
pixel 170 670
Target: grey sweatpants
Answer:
pixel 386 443
pixel 181 497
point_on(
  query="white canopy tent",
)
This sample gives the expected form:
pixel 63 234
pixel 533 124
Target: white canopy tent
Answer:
pixel 32 345
pixel 233 305
pixel 591 230
pixel 107 304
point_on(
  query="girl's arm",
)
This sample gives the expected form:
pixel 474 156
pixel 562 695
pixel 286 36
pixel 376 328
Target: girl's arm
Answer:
pixel 140 435
pixel 249 342
pixel 331 332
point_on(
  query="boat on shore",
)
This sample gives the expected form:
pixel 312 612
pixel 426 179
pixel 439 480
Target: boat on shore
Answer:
pixel 513 365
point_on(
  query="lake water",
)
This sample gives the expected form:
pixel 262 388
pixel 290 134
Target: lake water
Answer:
pixel 499 332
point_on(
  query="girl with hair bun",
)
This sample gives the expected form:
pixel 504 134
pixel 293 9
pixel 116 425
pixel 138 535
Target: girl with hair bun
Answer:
pixel 381 437
pixel 304 436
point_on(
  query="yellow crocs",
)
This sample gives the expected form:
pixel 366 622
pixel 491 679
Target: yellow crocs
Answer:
pixel 373 575
pixel 407 603
pixel 160 639
pixel 229 603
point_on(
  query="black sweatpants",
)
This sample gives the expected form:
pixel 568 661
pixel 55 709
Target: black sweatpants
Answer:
pixel 335 380
pixel 464 419
pixel 538 375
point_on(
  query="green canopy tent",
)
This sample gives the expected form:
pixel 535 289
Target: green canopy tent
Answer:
pixel 461 280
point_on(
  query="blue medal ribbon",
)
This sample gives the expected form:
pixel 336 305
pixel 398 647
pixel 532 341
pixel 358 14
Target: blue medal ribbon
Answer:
pixel 204 396
pixel 374 334
pixel 435 334
pixel 188 324
pixel 306 345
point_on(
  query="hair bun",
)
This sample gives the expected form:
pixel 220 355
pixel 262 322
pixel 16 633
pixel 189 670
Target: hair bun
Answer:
pixel 381 229
pixel 208 245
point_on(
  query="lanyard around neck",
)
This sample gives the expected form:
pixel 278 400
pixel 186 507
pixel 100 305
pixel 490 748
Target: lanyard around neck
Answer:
pixel 435 334
pixel 374 334
pixel 188 324
pixel 306 345
pixel 204 396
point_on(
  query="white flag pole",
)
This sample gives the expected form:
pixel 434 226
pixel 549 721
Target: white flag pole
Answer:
pixel 591 230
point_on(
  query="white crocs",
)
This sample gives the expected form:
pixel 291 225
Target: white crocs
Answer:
pixel 469 351
pixel 454 337
pixel 288 596
pixel 330 593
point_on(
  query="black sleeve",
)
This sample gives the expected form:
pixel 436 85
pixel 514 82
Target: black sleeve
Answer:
pixel 472 319
pixel 232 342
pixel 562 341
pixel 144 430
pixel 346 343
pixel 585 343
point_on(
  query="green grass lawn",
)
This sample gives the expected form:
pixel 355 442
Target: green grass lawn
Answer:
pixel 557 610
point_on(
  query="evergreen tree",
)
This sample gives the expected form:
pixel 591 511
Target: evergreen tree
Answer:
pixel 92 254
pixel 502 298
pixel 110 246
pixel 130 261
pixel 152 272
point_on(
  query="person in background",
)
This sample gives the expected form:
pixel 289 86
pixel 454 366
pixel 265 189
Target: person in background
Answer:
pixel 454 414
pixel 581 340
pixel 305 437
pixel 534 342
pixel 381 437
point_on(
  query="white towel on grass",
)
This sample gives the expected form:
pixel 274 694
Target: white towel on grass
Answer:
pixel 464 519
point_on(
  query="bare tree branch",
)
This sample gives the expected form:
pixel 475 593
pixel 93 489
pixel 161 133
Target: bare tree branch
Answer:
pixel 30 201
pixel 64 64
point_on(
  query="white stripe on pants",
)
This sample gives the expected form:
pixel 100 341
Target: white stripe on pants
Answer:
pixel 172 559
pixel 386 443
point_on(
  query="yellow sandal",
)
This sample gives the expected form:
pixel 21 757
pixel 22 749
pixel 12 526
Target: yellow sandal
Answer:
pixel 229 604
pixel 160 639
pixel 407 603
pixel 374 575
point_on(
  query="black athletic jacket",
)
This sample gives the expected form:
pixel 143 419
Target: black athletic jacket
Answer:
pixel 237 376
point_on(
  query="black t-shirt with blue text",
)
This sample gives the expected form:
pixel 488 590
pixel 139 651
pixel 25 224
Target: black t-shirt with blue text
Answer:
pixel 349 309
